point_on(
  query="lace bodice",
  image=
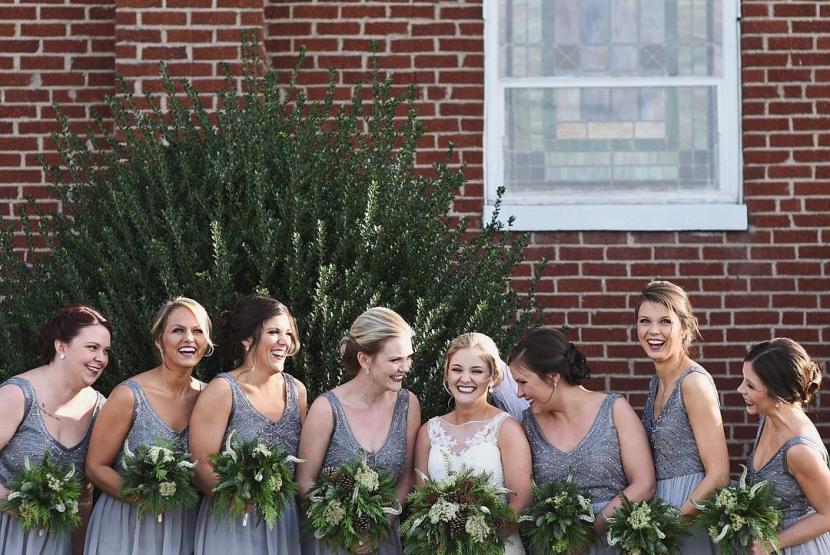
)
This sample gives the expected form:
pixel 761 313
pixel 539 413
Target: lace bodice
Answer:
pixel 472 445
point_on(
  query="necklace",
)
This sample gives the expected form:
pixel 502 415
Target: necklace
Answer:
pixel 47 413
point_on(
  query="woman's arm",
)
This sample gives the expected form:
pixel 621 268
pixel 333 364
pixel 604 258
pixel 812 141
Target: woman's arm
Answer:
pixel 813 477
pixel 413 422
pixel 108 435
pixel 208 422
pixel 701 401
pixel 13 404
pixel 516 463
pixel 302 396
pixel 638 465
pixel 314 442
pixel 422 449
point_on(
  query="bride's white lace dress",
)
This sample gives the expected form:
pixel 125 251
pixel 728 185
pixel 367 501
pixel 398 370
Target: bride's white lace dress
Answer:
pixel 472 445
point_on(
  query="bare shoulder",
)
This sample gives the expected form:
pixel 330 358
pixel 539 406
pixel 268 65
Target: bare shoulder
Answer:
pixel 697 384
pixel 217 390
pixel 413 401
pixel 510 427
pixel 301 388
pixel 121 396
pixel 12 399
pixel 804 459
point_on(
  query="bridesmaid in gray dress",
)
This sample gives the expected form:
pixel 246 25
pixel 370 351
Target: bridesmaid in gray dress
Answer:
pixel 779 380
pixel 154 405
pixel 682 415
pixel 51 410
pixel 595 436
pixel 258 400
pixel 371 414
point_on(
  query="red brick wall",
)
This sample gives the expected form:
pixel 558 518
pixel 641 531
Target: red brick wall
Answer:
pixel 771 280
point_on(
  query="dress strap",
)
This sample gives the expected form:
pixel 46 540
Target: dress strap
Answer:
pixel 803 440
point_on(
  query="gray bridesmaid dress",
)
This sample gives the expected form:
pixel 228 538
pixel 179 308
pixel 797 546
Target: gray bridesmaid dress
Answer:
pixel 114 528
pixel 676 457
pixel 596 462
pixel 228 536
pixel 33 440
pixel 794 504
pixel 391 457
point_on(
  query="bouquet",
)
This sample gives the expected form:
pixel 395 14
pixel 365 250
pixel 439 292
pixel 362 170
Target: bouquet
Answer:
pixel 252 473
pixel 462 514
pixel 646 528
pixel 158 477
pixel 351 505
pixel 560 520
pixel 736 515
pixel 45 496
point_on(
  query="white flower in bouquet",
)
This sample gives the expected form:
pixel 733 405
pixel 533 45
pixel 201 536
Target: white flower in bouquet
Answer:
pixel 477 527
pixel 443 511
pixel 367 478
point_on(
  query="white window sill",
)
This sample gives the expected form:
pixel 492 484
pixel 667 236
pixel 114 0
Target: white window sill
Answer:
pixel 623 217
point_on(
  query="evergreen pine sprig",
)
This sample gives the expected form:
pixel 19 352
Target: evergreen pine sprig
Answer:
pixel 559 520
pixel 646 528
pixel 157 477
pixel 735 515
pixel 463 514
pixel 253 473
pixel 325 204
pixel 45 496
pixel 351 505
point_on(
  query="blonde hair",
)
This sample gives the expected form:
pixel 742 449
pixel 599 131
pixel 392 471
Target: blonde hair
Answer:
pixel 369 332
pixel 674 298
pixel 198 311
pixel 486 348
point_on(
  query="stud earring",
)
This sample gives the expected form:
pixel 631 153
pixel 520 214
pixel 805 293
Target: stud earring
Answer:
pixel 246 348
pixel 62 356
pixel 778 404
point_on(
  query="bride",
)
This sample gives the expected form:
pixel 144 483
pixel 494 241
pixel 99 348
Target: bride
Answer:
pixel 476 434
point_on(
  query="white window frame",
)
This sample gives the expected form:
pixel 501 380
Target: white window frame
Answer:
pixel 719 210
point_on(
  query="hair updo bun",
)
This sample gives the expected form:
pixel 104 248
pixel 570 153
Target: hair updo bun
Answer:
pixel 786 370
pixel 546 351
pixel 65 326
pixel 368 333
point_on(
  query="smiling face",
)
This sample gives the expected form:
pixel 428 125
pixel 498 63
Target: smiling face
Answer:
pixel 660 332
pixel 756 396
pixel 87 354
pixel 468 376
pixel 183 342
pixel 389 366
pixel 275 342
pixel 531 386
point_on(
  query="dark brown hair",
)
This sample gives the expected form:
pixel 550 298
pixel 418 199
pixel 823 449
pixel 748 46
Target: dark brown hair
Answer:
pixel 546 351
pixel 247 319
pixel 66 325
pixel 786 370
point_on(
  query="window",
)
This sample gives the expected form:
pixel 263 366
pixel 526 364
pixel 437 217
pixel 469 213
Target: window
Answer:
pixel 613 114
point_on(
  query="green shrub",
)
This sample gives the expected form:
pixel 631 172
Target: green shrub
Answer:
pixel 317 203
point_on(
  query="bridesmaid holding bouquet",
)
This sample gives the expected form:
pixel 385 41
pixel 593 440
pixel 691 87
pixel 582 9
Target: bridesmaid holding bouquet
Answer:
pixel 779 380
pixel 681 415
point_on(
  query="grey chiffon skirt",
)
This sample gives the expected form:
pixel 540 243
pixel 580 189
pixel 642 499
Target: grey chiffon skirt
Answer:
pixel 115 529
pixel 15 541
pixel 675 491
pixel 389 546
pixel 227 536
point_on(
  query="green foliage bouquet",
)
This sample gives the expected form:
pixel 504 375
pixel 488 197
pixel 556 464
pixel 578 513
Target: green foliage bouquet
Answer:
pixel 560 520
pixel 463 514
pixel 351 505
pixel 45 496
pixel 736 515
pixel 646 528
pixel 158 476
pixel 252 473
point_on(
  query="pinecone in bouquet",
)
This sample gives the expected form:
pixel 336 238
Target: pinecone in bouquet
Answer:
pixel 352 505
pixel 461 514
